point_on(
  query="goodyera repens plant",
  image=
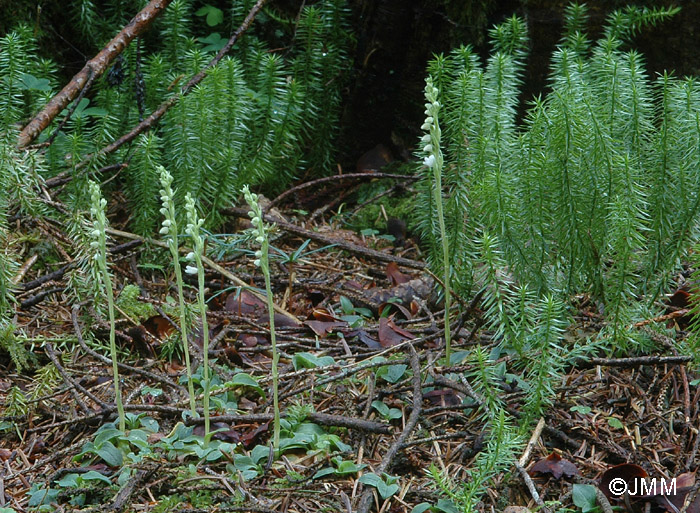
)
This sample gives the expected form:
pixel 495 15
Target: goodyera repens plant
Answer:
pixel 194 257
pixel 169 230
pixel 99 244
pixel 262 261
pixel 433 159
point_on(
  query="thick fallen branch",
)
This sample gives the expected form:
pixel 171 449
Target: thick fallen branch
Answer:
pixel 93 69
pixel 325 419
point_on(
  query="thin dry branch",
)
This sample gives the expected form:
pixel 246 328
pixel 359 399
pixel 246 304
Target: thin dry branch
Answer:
pixel 93 69
pixel 366 498
pixel 155 116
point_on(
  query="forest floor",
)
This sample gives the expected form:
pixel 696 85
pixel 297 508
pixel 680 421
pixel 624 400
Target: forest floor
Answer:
pixel 362 390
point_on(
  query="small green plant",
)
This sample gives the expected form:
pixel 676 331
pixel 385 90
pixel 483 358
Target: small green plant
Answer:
pixel 434 161
pixel 99 244
pixel 262 261
pixel 340 468
pixel 386 412
pixel 386 485
pixel 169 229
pixel 194 223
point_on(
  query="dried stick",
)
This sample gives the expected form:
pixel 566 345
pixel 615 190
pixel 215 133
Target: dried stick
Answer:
pixel 71 382
pixel 93 69
pixel 325 419
pixel 335 178
pixel 155 116
pixel 136 370
pixel 366 498
pixel 325 239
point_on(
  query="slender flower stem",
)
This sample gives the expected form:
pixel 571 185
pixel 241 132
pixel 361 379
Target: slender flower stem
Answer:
pixel 169 228
pixel 262 261
pixel 100 245
pixel 194 223
pixel 434 160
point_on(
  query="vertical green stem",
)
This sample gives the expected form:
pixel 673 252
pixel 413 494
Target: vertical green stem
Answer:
pixel 262 260
pixel 445 260
pixel 434 160
pixel 183 324
pixel 205 340
pixel 97 209
pixel 264 264
pixel 170 228
pixel 112 341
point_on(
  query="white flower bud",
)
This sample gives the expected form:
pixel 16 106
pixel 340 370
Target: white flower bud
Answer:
pixel 429 120
pixel 94 244
pixel 190 256
pixel 164 231
pixel 426 126
pixel 256 262
pixel 429 161
pixel 425 139
pixel 95 233
pixel 260 239
pixel 428 148
pixel 258 254
pixel 167 222
pixel 190 269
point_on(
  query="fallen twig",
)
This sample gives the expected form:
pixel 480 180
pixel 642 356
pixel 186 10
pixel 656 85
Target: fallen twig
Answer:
pixel 334 178
pixel 325 239
pixel 93 69
pixel 366 498
pixel 319 418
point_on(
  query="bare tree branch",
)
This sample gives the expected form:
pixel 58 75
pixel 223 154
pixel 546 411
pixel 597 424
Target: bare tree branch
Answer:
pixel 94 68
pixel 155 116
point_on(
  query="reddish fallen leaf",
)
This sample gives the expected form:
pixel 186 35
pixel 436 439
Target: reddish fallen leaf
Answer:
pixel 556 466
pixel 281 320
pixel 627 472
pixel 396 276
pixel 674 500
pixel 404 311
pixel 364 337
pixel 244 303
pixel 5 454
pixel 323 314
pixel 390 334
pixel 323 328
pixel 159 327
pixel 249 340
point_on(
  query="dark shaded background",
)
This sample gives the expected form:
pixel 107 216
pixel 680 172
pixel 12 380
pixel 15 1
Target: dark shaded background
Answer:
pixel 396 38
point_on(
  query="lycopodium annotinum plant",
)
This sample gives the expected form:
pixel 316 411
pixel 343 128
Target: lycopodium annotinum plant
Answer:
pixel 194 257
pixel 99 244
pixel 262 261
pixel 169 230
pixel 434 160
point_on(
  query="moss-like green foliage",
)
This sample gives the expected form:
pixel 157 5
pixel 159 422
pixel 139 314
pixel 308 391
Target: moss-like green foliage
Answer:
pixel 128 302
pixel 596 190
